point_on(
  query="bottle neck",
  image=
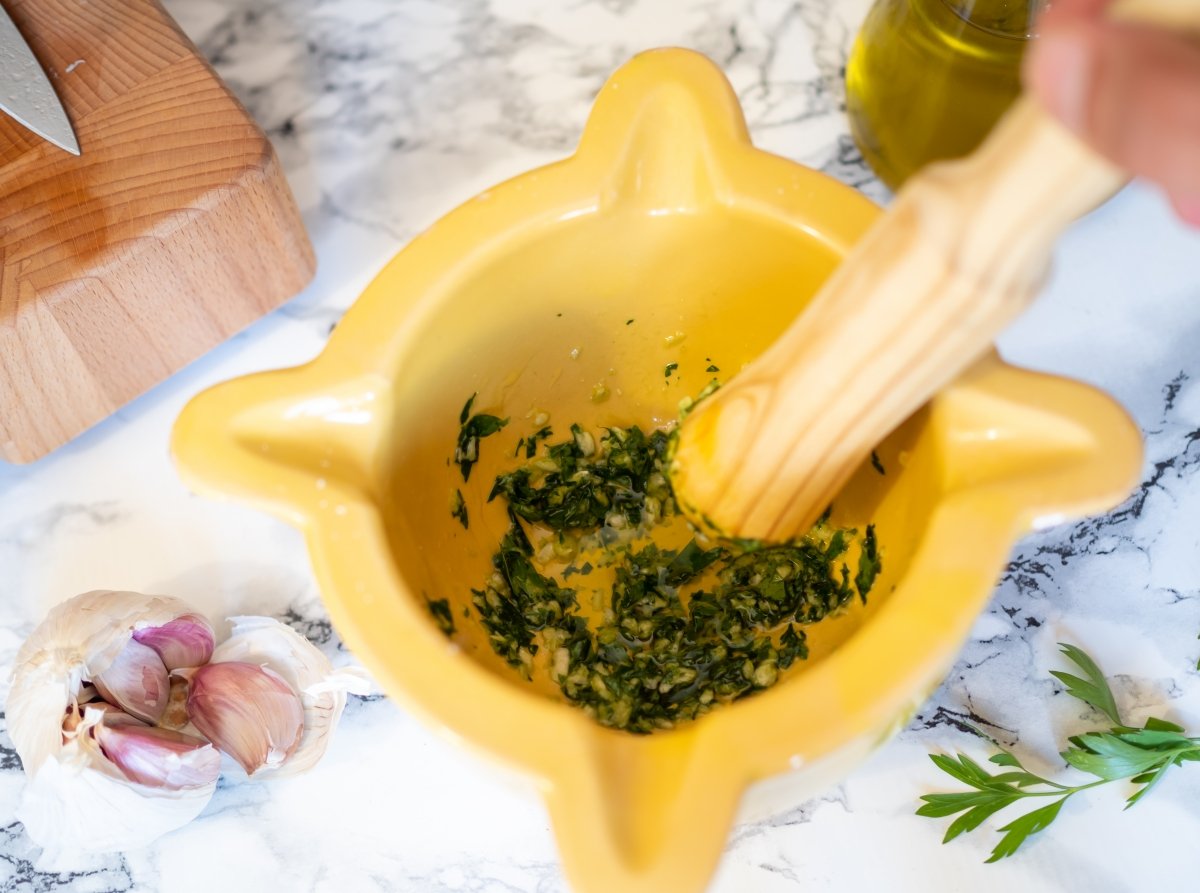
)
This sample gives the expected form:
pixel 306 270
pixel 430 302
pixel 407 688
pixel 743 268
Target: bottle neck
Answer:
pixel 1004 18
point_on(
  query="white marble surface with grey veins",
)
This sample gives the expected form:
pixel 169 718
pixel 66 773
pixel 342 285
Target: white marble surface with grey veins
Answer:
pixel 386 114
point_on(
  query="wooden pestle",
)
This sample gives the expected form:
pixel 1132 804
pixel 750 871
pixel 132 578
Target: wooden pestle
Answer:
pixel 961 252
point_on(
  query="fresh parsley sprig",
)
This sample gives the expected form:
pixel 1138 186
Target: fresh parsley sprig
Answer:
pixel 1141 755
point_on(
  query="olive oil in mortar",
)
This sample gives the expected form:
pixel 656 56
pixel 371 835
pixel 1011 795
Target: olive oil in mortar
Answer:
pixel 927 79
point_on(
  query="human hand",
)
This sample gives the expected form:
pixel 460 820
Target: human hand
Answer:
pixel 1131 91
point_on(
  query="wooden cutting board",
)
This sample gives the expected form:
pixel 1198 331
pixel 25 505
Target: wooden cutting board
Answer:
pixel 173 230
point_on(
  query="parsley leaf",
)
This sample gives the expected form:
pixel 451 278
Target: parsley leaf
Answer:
pixel 440 610
pixel 458 509
pixel 1019 829
pixel 473 428
pixel 876 464
pixel 531 442
pixel 1093 690
pixel 869 564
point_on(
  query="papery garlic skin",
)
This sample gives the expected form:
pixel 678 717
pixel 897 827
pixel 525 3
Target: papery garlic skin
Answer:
pixel 247 711
pixel 80 800
pixel 136 681
pixel 186 641
pixel 67 808
pixel 78 640
pixel 269 643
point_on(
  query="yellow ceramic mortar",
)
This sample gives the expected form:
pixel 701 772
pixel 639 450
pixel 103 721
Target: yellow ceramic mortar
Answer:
pixel 668 216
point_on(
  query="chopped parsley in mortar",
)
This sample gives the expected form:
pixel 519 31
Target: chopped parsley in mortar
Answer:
pixel 458 509
pixel 658 626
pixel 473 428
pixel 440 609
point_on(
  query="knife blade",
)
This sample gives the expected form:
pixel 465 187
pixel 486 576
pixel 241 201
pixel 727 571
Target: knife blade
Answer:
pixel 26 94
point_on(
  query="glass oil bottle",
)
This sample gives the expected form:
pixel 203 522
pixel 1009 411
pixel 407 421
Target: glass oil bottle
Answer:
pixel 927 79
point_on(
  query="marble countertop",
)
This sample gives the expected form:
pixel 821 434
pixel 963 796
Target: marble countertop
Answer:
pixel 386 114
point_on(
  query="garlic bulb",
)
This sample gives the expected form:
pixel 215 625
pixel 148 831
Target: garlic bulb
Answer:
pixel 114 774
pixel 79 640
pixel 322 689
pixel 77 798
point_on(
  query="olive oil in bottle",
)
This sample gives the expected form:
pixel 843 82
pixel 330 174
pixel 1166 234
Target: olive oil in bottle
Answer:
pixel 927 79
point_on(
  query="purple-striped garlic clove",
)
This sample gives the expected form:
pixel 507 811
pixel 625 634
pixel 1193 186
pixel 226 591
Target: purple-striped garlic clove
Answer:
pixel 136 681
pixel 158 758
pixel 247 711
pixel 186 641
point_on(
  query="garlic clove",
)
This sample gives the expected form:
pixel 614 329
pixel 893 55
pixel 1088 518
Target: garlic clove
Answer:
pixel 267 642
pixel 247 711
pixel 136 681
pixel 159 757
pixel 152 756
pixel 186 641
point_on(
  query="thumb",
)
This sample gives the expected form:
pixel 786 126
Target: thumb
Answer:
pixel 1132 92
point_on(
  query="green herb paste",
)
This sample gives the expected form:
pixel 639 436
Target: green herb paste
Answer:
pixel 677 631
